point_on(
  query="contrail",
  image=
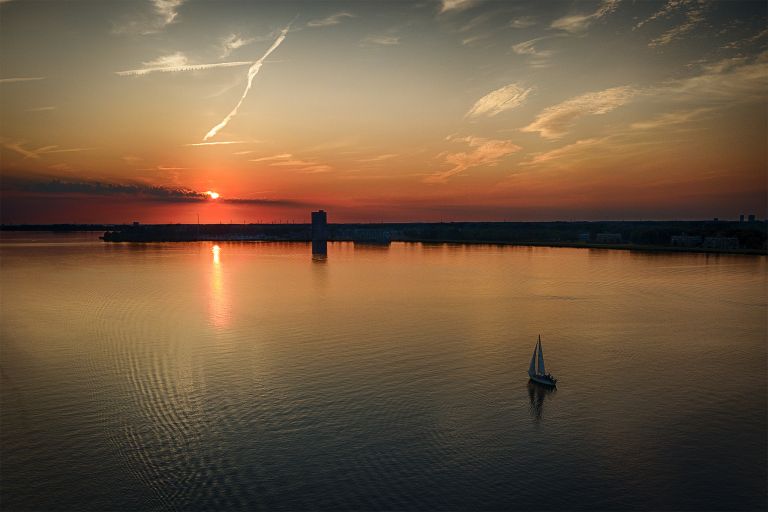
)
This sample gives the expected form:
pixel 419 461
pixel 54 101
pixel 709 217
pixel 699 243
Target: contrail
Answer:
pixel 20 79
pixel 252 72
pixel 185 67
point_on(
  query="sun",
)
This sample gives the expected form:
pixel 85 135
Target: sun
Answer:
pixel 212 194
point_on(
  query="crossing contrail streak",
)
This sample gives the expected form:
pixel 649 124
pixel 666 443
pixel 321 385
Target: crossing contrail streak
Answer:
pixel 252 72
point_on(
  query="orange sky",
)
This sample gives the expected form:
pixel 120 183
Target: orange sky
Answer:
pixel 453 110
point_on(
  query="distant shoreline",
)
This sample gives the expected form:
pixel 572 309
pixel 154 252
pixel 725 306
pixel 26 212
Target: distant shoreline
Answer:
pixel 521 234
pixel 615 247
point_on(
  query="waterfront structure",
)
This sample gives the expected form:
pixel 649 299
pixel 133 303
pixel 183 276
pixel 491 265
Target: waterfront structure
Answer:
pixel 319 232
pixel 366 235
pixel 721 242
pixel 686 241
pixel 609 238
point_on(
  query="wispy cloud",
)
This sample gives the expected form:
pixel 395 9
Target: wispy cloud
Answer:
pixel 382 40
pixel 528 48
pixel 167 10
pixel 481 27
pixel 164 12
pixel 748 40
pixel 56 149
pixel 580 22
pixel 20 79
pixel 252 72
pixel 302 165
pixel 333 19
pixel 281 156
pixel 555 121
pixel 41 109
pixel 220 143
pixel 335 144
pixel 721 84
pixel 622 145
pixel 692 12
pixel 174 63
pixel 693 17
pixel 471 40
pixel 670 7
pixel 670 119
pixel 17 146
pixel 288 160
pixel 164 168
pixel 523 22
pixel 569 150
pixel 456 5
pixel 724 82
pixel 539 58
pixel 378 158
pixel 483 152
pixel 503 98
pixel 231 43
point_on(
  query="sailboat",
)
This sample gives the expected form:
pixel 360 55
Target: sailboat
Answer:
pixel 536 370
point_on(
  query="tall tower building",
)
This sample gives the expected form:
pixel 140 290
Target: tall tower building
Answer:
pixel 319 232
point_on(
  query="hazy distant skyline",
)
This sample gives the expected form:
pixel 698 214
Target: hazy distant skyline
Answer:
pixel 454 109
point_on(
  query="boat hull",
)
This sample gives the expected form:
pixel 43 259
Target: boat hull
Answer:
pixel 544 381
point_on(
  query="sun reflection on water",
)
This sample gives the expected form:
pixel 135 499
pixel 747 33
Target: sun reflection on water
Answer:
pixel 219 307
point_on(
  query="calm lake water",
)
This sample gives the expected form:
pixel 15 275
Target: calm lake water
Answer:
pixel 190 376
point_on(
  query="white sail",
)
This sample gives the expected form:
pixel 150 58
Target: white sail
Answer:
pixel 542 371
pixel 532 367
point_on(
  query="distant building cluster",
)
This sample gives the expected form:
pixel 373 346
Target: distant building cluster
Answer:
pixel 710 242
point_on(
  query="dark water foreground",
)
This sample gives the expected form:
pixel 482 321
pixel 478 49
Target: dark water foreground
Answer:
pixel 189 376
